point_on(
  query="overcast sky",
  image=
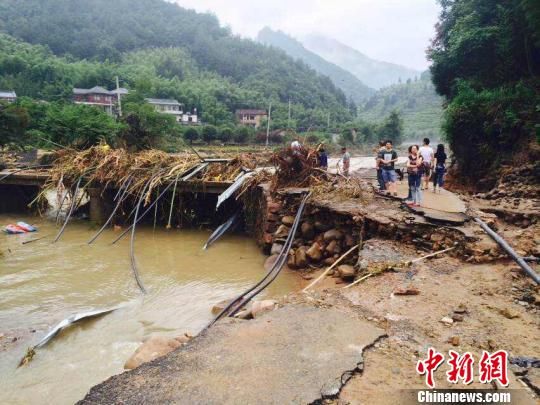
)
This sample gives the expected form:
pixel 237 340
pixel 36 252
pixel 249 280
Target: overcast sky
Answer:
pixel 391 30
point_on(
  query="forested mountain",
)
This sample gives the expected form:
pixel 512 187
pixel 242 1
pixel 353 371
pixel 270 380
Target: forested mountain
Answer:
pixel 346 81
pixel 178 53
pixel 486 61
pixel 374 73
pixel 416 100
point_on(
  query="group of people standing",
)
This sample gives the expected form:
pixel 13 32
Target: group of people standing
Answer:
pixel 423 164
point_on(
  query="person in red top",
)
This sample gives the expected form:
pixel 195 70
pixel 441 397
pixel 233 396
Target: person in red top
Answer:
pixel 414 170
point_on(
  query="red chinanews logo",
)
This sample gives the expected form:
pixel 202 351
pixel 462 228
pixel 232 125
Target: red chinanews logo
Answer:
pixel 491 367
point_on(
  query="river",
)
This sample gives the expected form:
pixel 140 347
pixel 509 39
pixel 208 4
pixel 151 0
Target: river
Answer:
pixel 42 283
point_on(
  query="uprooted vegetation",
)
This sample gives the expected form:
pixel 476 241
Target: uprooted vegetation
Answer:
pixel 114 168
pixel 300 169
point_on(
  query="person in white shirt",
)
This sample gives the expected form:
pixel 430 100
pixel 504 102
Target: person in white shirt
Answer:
pixel 426 152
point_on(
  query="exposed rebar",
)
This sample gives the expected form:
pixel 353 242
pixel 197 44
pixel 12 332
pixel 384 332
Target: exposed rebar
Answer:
pixel 71 208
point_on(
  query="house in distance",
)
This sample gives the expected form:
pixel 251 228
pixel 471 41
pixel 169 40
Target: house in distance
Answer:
pixel 251 117
pixel 99 97
pixel 173 107
pixel 8 96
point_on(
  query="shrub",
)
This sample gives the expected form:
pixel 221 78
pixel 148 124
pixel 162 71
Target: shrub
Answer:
pixel 209 133
pixel 191 134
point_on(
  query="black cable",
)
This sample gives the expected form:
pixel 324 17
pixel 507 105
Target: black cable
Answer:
pixel 132 241
pixel 278 265
pixel 280 260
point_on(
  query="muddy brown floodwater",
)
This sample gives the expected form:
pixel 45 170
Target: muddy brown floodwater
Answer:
pixel 42 283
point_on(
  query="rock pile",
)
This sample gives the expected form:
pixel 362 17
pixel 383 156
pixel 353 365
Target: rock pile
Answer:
pixel 516 182
pixel 320 239
pixel 317 244
pixel 325 234
pixel 515 198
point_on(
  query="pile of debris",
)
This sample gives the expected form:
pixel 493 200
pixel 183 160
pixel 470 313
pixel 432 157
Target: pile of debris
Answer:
pixel 300 168
pixel 138 173
pixel 115 167
pixel 297 168
pixel 516 182
pixel 230 170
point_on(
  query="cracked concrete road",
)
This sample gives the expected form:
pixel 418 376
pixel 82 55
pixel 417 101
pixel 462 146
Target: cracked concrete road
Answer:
pixel 296 354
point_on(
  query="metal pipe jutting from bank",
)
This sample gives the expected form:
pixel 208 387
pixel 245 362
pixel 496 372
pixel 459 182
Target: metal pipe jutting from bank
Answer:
pixel 508 249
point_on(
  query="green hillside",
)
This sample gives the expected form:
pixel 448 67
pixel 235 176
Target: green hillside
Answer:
pixel 346 81
pixel 417 102
pixel 160 50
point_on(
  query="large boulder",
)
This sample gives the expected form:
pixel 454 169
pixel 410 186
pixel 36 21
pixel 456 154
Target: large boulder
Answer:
pixel 346 272
pixel 332 247
pixel 321 226
pixel 260 307
pixel 308 231
pixel 291 260
pixel 333 234
pixel 329 261
pixel 287 220
pixel 300 257
pixel 314 252
pixel 154 347
pixel 220 306
pixel 282 232
pixel 276 248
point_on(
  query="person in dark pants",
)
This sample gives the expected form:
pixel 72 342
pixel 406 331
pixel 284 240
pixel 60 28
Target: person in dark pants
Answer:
pixel 414 169
pixel 409 196
pixel 378 166
pixel 387 159
pixel 323 159
pixel 440 168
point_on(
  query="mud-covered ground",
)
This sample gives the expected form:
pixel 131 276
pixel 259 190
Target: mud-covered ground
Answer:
pixel 497 308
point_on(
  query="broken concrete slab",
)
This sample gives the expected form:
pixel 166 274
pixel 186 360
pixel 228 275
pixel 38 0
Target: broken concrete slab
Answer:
pixel 295 354
pixel 450 218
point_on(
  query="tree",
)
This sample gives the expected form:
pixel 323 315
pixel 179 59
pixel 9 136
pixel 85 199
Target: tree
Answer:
pixel 79 126
pixel 209 133
pixel 191 134
pixel 347 137
pixel 242 134
pixel 486 62
pixel 13 123
pixel 391 128
pixel 225 134
pixel 353 108
pixel 146 128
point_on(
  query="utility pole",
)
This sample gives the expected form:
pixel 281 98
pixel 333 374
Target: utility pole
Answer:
pixel 119 97
pixel 268 123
